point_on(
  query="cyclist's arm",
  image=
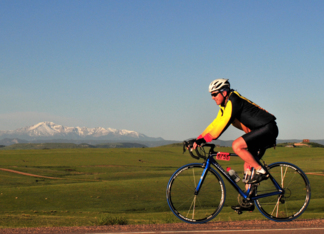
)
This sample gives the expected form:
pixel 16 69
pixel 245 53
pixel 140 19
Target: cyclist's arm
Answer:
pixel 220 124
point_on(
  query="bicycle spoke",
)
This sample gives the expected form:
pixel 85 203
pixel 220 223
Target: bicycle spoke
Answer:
pixel 194 177
pixel 193 206
pixel 283 176
pixel 276 207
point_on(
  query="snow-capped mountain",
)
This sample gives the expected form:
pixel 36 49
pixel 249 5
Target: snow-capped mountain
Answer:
pixel 50 130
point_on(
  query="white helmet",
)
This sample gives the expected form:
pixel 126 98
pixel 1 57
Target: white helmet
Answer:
pixel 218 84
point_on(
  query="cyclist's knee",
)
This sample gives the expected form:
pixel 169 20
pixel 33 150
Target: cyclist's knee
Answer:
pixel 239 144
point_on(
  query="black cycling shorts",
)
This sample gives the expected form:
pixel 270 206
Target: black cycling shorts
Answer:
pixel 261 138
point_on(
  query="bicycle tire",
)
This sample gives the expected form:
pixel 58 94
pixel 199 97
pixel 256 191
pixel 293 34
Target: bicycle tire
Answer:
pixel 193 208
pixel 290 205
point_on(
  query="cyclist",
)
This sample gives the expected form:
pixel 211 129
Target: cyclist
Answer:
pixel 259 126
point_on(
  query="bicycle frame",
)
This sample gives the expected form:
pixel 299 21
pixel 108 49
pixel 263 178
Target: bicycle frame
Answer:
pixel 211 161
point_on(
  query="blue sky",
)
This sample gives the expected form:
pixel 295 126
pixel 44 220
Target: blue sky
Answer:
pixel 146 65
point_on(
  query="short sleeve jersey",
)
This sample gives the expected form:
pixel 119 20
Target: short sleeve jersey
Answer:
pixel 241 113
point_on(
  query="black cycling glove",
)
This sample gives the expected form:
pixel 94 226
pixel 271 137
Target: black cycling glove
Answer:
pixel 200 141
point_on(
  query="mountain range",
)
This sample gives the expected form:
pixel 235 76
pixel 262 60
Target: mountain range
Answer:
pixel 51 131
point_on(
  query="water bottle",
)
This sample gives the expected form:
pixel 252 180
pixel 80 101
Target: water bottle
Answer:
pixel 233 175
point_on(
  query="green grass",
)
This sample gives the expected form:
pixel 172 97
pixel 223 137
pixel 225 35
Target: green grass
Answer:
pixel 100 186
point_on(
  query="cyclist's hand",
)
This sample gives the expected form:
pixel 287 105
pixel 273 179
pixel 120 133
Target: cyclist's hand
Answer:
pixel 198 142
pixel 194 143
pixel 191 146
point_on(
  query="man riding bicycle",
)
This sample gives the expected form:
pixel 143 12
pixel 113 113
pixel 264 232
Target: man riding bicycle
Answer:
pixel 259 126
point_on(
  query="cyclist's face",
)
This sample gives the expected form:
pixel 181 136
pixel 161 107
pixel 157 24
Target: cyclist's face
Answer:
pixel 218 98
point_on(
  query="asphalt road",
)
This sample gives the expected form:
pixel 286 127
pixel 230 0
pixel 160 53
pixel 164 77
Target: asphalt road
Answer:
pixel 241 227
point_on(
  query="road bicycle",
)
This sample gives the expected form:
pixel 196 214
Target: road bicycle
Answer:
pixel 196 192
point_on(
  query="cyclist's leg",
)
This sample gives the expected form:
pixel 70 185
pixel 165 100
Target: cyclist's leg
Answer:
pixel 246 168
pixel 261 138
pixel 257 141
pixel 240 148
pixel 254 140
pixel 247 147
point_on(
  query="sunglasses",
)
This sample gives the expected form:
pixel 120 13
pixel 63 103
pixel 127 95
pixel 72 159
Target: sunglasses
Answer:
pixel 214 94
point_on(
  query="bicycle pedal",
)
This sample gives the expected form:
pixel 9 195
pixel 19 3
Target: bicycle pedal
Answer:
pixel 239 212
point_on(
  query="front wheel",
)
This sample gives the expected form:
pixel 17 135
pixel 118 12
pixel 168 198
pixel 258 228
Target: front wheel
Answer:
pixel 293 202
pixel 183 201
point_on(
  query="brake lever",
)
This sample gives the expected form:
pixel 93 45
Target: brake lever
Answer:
pixel 185 146
pixel 189 145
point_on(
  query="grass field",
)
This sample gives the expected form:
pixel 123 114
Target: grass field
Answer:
pixel 90 185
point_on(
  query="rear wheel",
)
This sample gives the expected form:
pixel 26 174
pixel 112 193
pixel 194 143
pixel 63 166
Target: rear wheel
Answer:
pixel 293 202
pixel 193 208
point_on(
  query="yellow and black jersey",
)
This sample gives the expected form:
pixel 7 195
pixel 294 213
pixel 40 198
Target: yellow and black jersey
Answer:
pixel 241 113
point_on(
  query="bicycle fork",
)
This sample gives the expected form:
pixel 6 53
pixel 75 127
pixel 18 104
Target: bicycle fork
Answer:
pixel 202 178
